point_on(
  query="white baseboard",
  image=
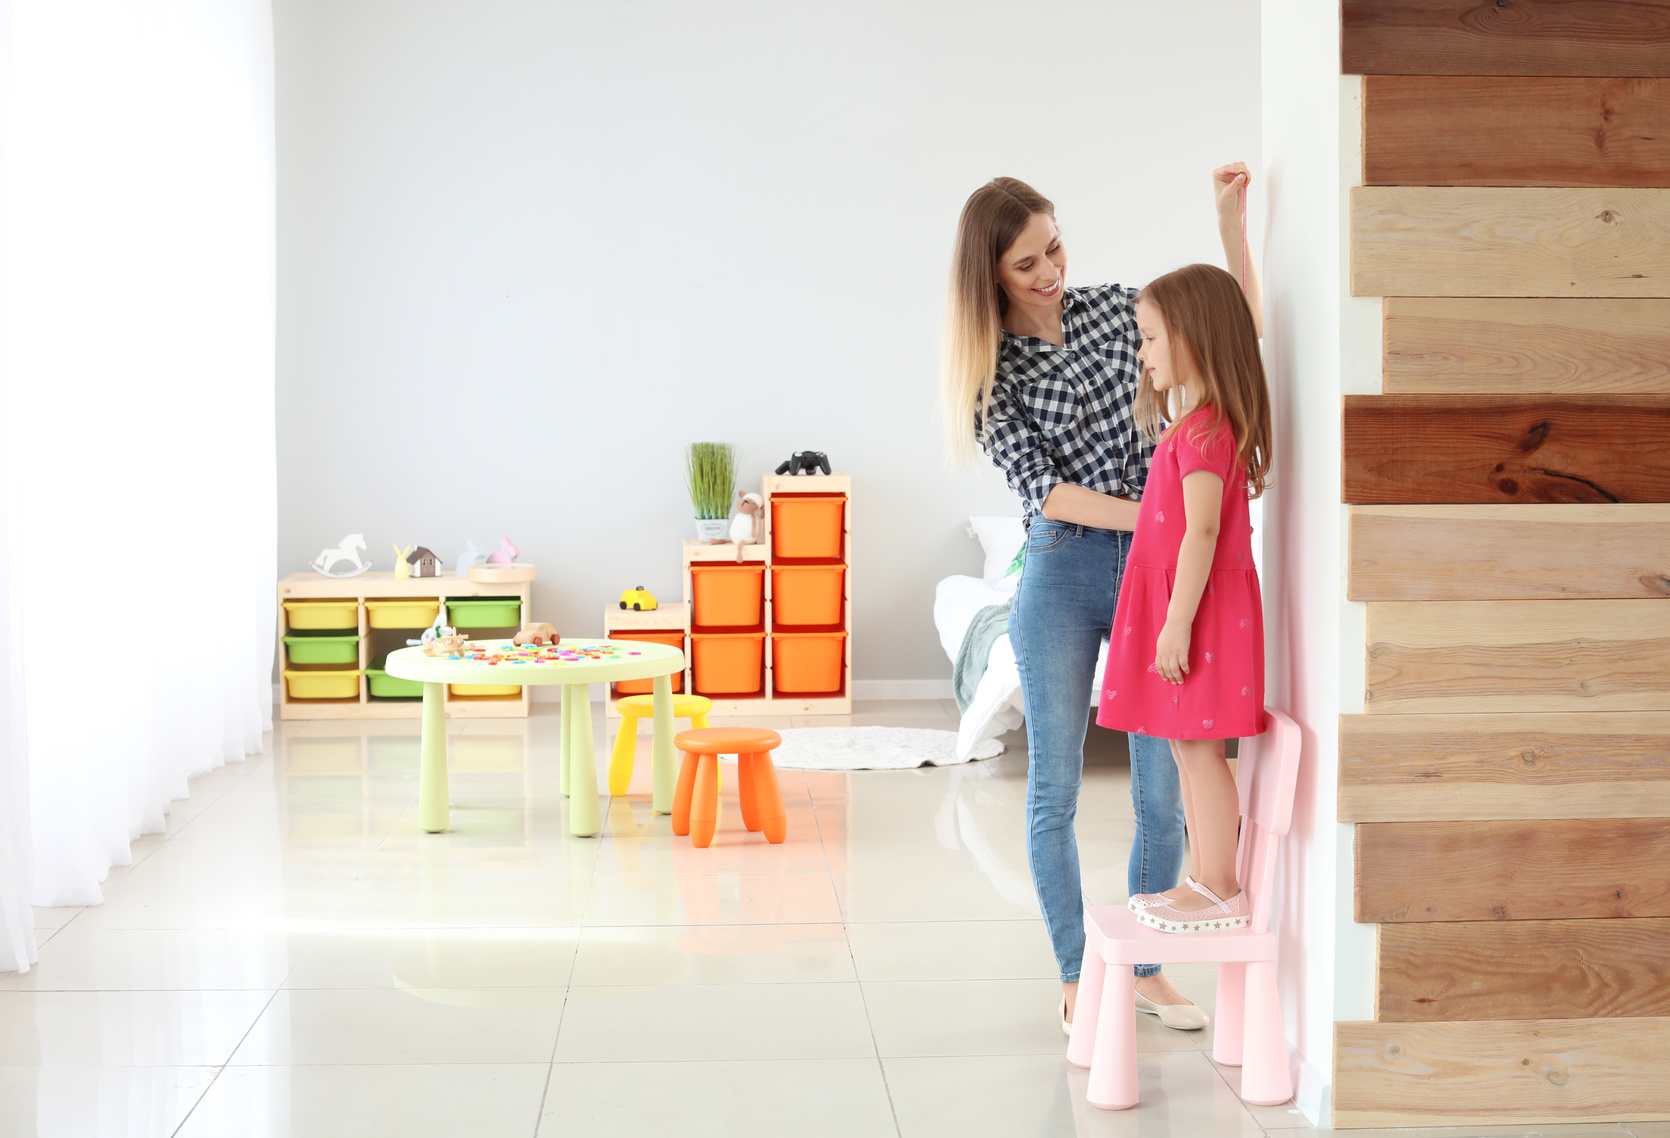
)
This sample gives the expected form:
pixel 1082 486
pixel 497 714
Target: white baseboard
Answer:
pixel 901 689
pixel 1314 1096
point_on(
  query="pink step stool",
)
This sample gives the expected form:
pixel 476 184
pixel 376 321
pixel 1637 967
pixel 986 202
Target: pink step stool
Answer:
pixel 1249 1030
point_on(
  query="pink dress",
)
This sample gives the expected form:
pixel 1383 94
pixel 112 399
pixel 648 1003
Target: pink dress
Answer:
pixel 1222 697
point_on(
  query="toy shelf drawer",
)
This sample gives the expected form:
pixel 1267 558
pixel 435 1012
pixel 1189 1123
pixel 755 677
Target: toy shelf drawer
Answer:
pixel 809 525
pixel 808 594
pixel 469 690
pixel 322 614
pixel 489 612
pixel 804 663
pixel 673 638
pixel 727 663
pixel 384 686
pixel 322 685
pixel 418 613
pixel 727 596
pixel 322 649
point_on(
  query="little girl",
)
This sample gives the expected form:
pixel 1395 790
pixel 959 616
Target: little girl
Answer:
pixel 1186 660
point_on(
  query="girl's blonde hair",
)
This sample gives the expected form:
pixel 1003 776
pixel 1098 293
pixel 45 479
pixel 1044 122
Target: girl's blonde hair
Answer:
pixel 992 218
pixel 1213 336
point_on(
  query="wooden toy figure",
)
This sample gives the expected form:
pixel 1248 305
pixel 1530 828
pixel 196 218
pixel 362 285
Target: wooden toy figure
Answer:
pixel 402 569
pixel 423 563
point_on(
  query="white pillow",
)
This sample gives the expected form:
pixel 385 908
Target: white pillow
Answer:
pixel 1001 538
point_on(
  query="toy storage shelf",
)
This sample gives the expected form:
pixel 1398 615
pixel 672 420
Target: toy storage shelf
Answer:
pixel 679 619
pixel 375 586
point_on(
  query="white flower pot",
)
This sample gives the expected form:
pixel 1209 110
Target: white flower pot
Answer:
pixel 711 529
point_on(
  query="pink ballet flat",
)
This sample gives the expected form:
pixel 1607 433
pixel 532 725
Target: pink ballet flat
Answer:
pixel 1220 914
pixel 1144 900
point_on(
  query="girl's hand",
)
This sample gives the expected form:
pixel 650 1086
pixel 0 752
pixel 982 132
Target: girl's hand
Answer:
pixel 1171 653
pixel 1227 182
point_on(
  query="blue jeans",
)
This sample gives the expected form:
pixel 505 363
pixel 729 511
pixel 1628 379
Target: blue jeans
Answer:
pixel 1061 614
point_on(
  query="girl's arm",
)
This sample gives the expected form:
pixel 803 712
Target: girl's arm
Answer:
pixel 1228 183
pixel 1203 495
pixel 1082 506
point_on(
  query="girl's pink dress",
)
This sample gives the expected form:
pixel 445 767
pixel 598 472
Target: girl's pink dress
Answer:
pixel 1222 697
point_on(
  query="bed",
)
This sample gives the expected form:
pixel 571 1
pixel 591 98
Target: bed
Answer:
pixel 996 706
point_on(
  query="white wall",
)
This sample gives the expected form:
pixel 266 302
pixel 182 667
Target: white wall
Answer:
pixel 529 250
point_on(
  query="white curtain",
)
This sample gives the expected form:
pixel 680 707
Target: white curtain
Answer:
pixel 138 383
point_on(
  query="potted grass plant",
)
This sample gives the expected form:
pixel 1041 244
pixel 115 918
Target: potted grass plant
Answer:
pixel 710 474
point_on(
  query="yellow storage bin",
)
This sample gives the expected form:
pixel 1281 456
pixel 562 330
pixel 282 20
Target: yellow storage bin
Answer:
pixel 322 685
pixel 418 612
pixel 485 689
pixel 322 614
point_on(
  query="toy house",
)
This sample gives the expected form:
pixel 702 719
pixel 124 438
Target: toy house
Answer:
pixel 423 563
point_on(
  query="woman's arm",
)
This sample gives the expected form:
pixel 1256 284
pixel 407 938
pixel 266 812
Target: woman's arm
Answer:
pixel 1203 495
pixel 1228 184
pixel 1082 506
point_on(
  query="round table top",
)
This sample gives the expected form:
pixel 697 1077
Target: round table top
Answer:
pixel 571 662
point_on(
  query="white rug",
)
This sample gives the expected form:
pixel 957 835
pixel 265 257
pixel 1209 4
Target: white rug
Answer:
pixel 872 748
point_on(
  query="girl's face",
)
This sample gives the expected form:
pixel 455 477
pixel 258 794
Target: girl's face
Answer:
pixel 1155 352
pixel 1033 271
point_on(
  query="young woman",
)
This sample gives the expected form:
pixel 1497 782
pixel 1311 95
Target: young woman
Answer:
pixel 1043 378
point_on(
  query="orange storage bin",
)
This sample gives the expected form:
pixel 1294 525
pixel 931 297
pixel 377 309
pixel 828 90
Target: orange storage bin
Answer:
pixel 674 638
pixel 727 663
pixel 809 526
pixel 808 594
pixel 806 663
pixel 728 596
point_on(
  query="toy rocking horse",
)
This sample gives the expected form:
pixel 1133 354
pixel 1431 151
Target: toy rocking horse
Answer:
pixel 344 560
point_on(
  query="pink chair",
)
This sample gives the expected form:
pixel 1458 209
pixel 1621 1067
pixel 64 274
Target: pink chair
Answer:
pixel 1249 1016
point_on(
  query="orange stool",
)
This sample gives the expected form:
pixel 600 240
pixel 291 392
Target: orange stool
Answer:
pixel 696 802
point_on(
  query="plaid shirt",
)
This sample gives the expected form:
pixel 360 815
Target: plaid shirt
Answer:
pixel 1067 414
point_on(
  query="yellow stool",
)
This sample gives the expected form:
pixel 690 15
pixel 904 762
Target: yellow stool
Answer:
pixel 635 707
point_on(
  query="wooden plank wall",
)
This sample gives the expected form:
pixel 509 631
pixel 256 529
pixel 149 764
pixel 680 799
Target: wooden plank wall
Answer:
pixel 1510 535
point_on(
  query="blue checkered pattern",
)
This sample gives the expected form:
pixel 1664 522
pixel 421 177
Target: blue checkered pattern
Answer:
pixel 1067 414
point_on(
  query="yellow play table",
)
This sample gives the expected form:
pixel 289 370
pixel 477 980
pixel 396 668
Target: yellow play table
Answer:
pixel 588 662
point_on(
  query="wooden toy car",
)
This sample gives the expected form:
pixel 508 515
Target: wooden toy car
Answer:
pixel 638 600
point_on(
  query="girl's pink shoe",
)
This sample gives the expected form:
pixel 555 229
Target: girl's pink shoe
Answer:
pixel 1220 914
pixel 1144 900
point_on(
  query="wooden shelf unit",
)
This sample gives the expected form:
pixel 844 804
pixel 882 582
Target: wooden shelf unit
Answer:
pixel 677 617
pixel 378 586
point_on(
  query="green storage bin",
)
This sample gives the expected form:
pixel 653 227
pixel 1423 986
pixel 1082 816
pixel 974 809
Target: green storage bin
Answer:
pixel 322 649
pixel 385 686
pixel 485 612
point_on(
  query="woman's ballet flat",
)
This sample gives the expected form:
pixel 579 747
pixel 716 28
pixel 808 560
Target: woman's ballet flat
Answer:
pixel 1066 1024
pixel 1219 915
pixel 1183 1017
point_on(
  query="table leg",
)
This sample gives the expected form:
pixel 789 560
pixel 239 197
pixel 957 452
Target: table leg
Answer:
pixel 562 731
pixel 661 746
pixel 433 814
pixel 583 819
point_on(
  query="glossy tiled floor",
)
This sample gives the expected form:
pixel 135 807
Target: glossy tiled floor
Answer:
pixel 295 958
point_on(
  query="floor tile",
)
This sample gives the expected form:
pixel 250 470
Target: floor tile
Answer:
pixel 713 954
pixel 966 1017
pixel 1003 1096
pixel 1648 1129
pixel 405 1025
pixel 164 903
pixel 124 1029
pixel 481 1100
pixel 714 899
pixel 106 960
pixel 98 1102
pixel 251 858
pixel 719 1021
pixel 438 958
pixel 56 918
pixel 953 950
pixel 809 1098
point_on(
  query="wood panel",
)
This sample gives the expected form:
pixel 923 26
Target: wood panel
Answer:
pixel 1473 970
pixel 1531 551
pixel 1508 37
pixel 1435 768
pixel 1470 131
pixel 1515 346
pixel 1495 1071
pixel 1459 449
pixel 1471 241
pixel 1517 656
pixel 1504 870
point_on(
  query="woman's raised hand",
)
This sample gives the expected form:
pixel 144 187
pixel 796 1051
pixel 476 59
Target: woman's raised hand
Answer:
pixel 1227 183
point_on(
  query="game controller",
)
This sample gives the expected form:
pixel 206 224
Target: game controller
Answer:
pixel 804 462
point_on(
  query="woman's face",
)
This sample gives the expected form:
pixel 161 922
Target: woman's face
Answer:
pixel 1155 352
pixel 1033 271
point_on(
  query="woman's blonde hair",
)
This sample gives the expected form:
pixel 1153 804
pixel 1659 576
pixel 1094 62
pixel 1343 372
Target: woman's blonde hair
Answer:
pixel 993 217
pixel 1213 336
